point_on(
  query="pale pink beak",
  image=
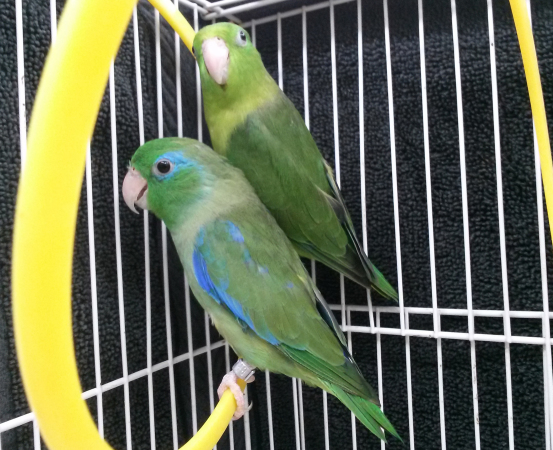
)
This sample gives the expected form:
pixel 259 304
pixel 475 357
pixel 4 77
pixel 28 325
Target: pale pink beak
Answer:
pixel 135 190
pixel 216 58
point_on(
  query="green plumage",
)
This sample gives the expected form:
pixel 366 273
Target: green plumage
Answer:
pixel 260 131
pixel 246 274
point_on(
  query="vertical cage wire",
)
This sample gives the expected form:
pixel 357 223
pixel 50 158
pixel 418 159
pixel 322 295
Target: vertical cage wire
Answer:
pixel 115 170
pixel 313 263
pixel 466 234
pixel 231 425
pixel 94 295
pixel 547 388
pixel 545 322
pixel 435 315
pixel 200 138
pixel 209 363
pixel 186 286
pixel 379 368
pixel 247 435
pixel 296 386
pixel 362 182
pixel 21 81
pixel 140 111
pixel 164 246
pixel 502 244
pixel 547 363
pixel 192 373
pixel 394 169
pixel 362 146
pixel 267 374
pixel 353 419
pixel 207 326
pixel 409 388
pixel 337 172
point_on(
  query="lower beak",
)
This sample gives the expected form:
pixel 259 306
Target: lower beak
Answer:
pixel 135 190
pixel 216 57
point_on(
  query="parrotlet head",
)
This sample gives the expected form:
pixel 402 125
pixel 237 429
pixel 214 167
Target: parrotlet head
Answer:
pixel 169 176
pixel 227 59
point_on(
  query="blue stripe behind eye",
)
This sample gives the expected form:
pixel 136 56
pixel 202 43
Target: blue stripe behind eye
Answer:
pixel 179 161
pixel 218 291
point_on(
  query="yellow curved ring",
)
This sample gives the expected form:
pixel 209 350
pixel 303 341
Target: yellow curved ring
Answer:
pixel 63 118
pixel 530 61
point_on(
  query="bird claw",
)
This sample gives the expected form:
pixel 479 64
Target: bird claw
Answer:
pixel 230 381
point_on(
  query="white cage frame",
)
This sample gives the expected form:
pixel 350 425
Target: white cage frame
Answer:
pixel 228 9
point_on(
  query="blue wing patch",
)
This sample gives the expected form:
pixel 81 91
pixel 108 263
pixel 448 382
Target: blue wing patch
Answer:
pixel 234 232
pixel 218 290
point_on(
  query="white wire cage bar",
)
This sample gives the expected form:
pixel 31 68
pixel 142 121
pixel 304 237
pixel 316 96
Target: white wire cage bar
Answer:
pixel 231 9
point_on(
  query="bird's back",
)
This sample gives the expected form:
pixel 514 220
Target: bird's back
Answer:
pixel 281 160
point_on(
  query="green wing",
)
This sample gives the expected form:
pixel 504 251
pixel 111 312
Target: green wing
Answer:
pixel 248 266
pixel 282 162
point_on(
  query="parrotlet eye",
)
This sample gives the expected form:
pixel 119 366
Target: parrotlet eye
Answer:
pixel 241 39
pixel 163 167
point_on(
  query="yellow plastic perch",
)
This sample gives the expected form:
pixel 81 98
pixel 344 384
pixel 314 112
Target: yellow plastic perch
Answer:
pixel 530 61
pixel 63 118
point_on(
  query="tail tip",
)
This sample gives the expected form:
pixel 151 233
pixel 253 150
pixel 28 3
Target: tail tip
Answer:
pixel 382 286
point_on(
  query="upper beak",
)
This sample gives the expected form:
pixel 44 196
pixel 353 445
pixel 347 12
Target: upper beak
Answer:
pixel 216 58
pixel 135 190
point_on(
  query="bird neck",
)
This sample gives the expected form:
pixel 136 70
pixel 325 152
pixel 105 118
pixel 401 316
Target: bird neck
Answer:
pixel 225 196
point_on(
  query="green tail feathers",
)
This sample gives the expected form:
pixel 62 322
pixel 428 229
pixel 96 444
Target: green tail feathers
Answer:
pixel 368 413
pixel 353 265
pixel 379 283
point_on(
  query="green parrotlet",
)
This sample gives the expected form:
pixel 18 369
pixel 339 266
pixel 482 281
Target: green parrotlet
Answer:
pixel 246 274
pixel 254 125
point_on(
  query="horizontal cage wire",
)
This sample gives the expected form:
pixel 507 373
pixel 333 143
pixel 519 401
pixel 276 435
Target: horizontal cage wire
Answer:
pixel 421 109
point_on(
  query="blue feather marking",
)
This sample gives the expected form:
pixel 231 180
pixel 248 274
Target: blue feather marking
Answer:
pixel 236 236
pixel 179 162
pixel 218 290
pixel 202 277
pixel 234 232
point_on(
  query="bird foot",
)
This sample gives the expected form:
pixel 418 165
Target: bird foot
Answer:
pixel 230 381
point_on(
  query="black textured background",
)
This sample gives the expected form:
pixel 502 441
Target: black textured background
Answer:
pixel 521 224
